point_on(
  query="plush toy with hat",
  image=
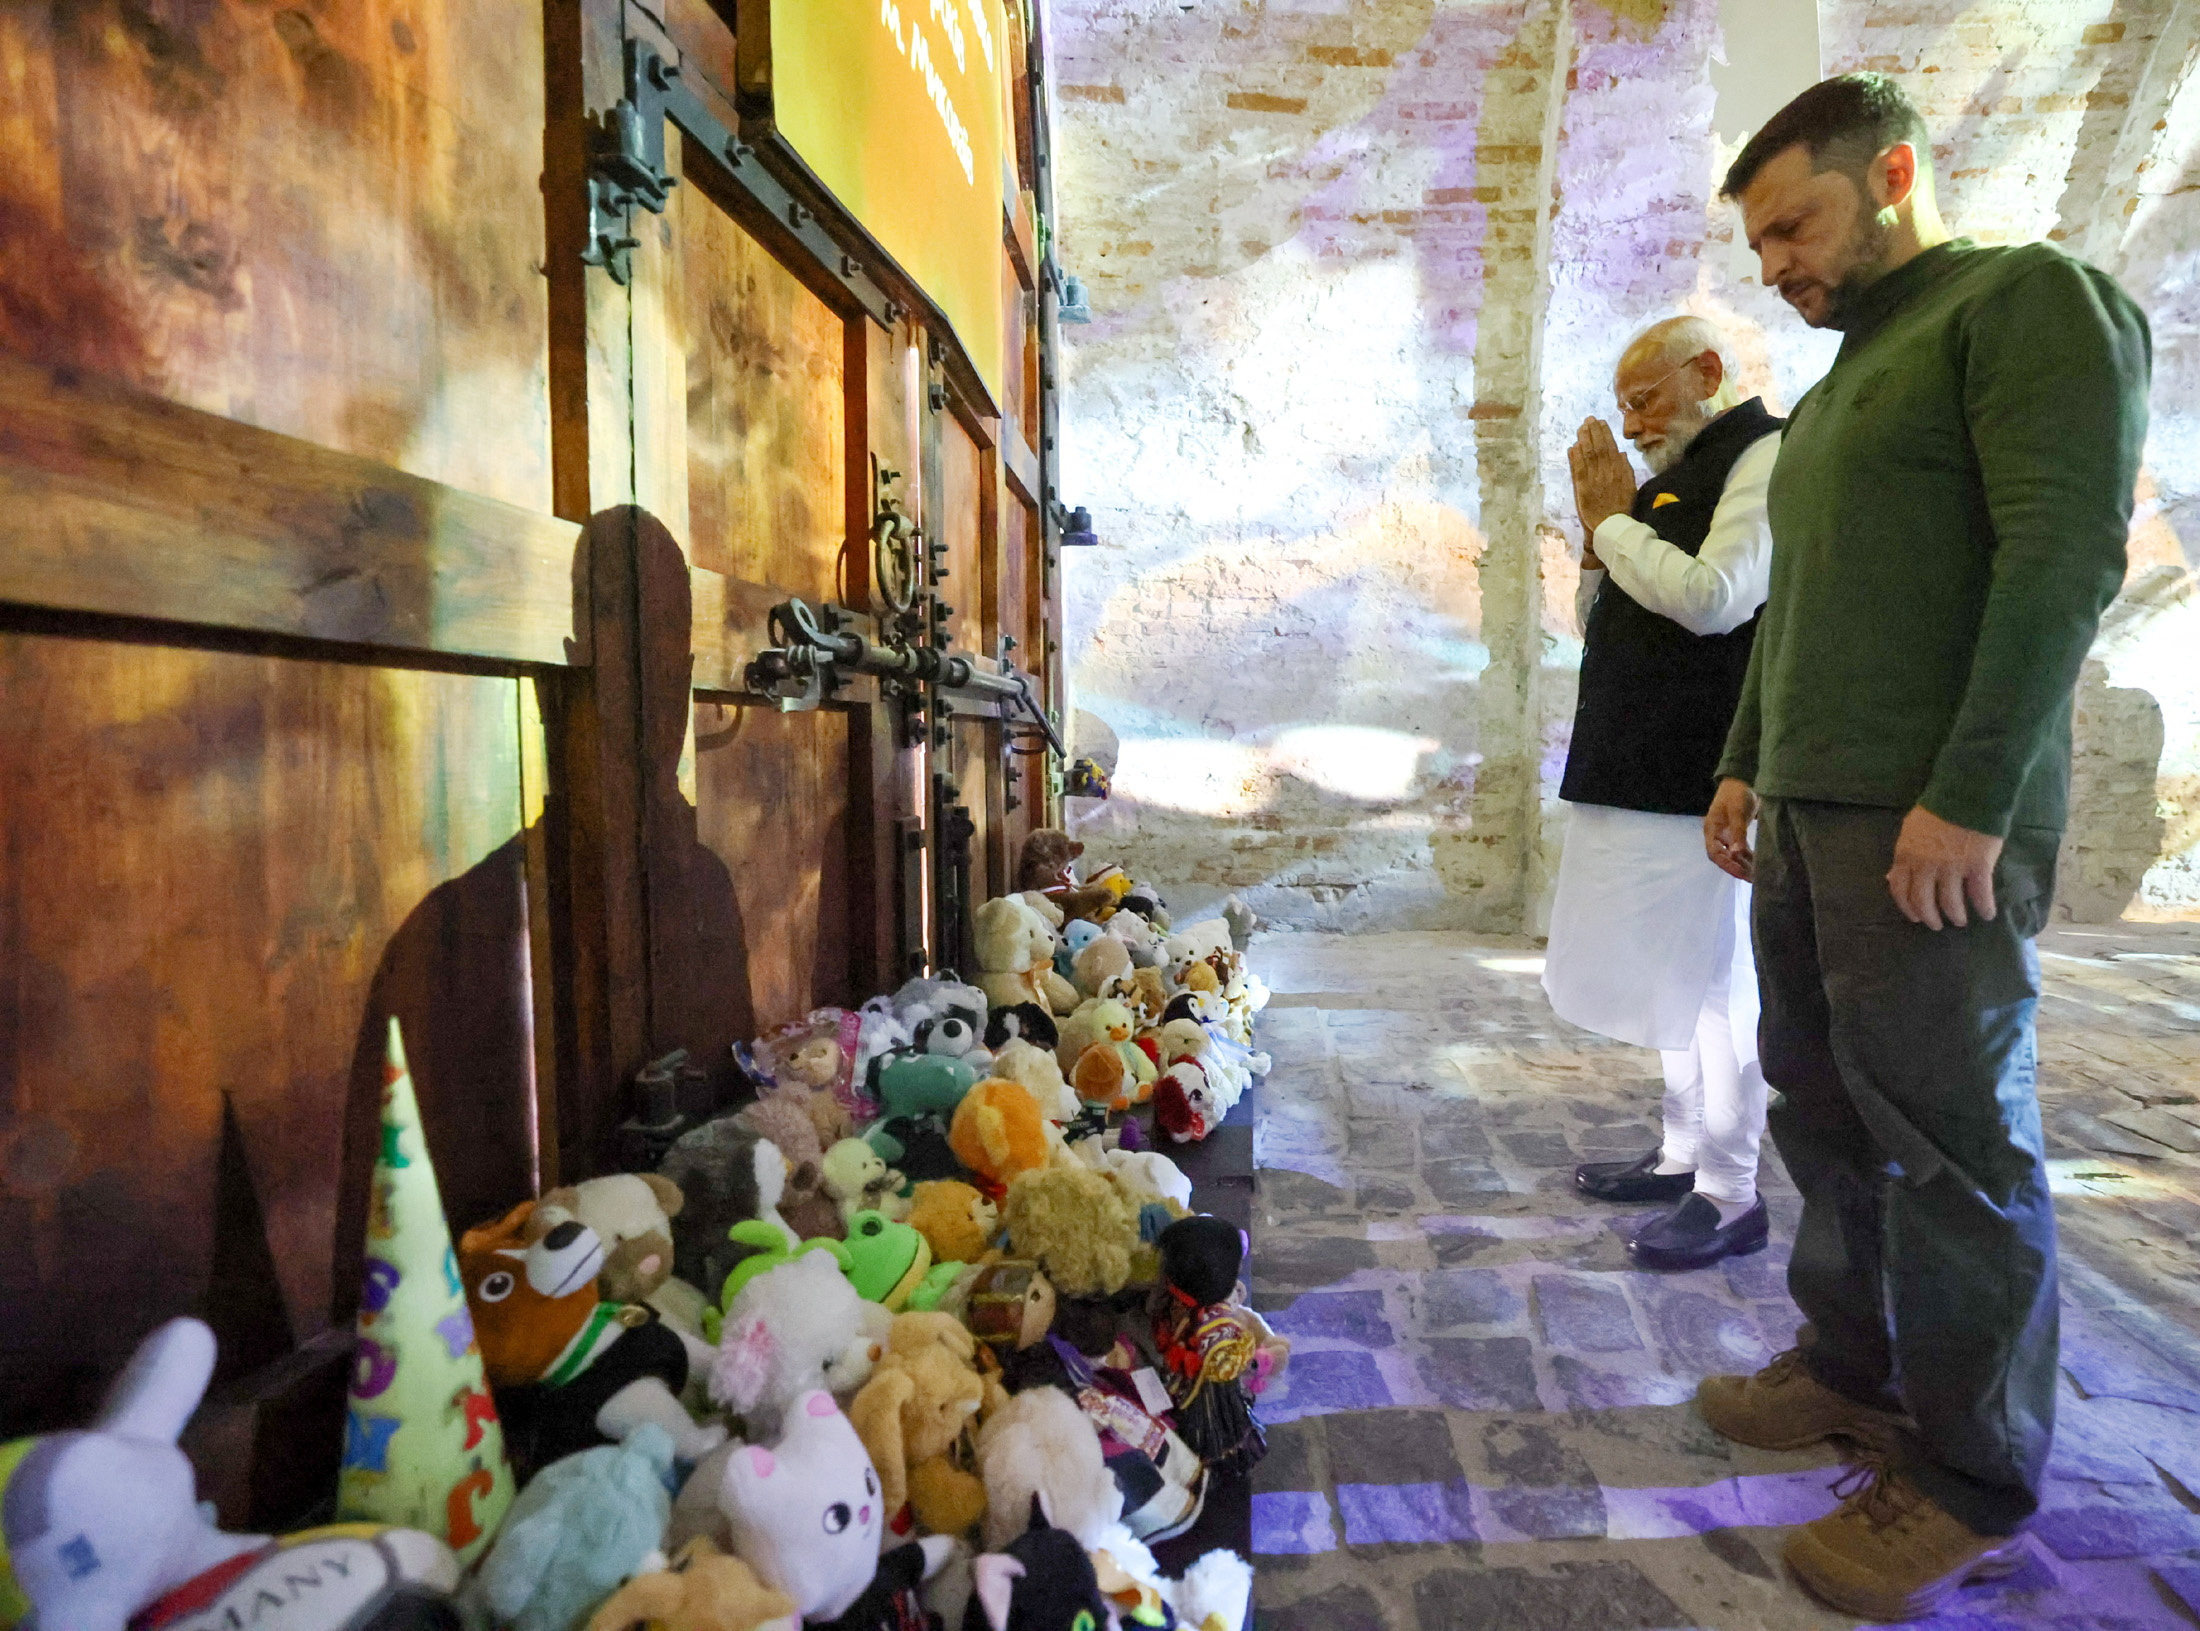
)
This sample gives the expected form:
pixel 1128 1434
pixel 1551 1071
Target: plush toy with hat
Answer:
pixel 808 1513
pixel 998 1132
pixel 581 1527
pixel 1208 1346
pixel 101 1528
pixel 912 1414
pixel 571 1370
pixel 702 1589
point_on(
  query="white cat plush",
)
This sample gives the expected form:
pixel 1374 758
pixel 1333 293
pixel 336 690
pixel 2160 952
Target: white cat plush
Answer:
pixel 806 1514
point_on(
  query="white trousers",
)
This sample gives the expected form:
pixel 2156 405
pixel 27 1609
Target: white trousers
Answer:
pixel 1649 944
pixel 1714 1087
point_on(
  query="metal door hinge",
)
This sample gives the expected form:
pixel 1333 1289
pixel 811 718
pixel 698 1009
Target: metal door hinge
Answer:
pixel 627 169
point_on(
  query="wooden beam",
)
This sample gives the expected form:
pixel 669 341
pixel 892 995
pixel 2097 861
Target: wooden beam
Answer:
pixel 1017 459
pixel 119 503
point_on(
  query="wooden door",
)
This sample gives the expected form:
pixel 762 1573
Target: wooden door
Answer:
pixel 381 566
pixel 282 594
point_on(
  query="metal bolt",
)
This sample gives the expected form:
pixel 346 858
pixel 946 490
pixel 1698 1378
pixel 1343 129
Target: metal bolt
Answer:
pixel 939 400
pixel 798 214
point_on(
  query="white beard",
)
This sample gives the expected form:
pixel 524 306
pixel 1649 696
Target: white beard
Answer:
pixel 1686 425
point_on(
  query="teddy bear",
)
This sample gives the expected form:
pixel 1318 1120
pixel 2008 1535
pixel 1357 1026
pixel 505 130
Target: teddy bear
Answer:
pixel 570 1370
pixel 103 1524
pixel 1103 968
pixel 999 1131
pixel 911 1414
pixel 631 1213
pixel 956 1220
pixel 1076 1225
pixel 1040 1446
pixel 580 1527
pixel 702 1589
pixel 1037 1069
pixel 808 1513
pixel 783 1119
pixel 1015 951
pixel 1046 860
pixel 859 1180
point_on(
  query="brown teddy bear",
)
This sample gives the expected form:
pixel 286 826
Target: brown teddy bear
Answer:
pixel 921 1399
pixel 1045 861
pixel 703 1590
pixel 957 1221
pixel 1075 1225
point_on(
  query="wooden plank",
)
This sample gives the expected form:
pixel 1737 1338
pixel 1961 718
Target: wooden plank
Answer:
pixel 767 451
pixel 326 221
pixel 218 875
pixel 1018 462
pixel 114 501
pixel 1020 233
pixel 776 791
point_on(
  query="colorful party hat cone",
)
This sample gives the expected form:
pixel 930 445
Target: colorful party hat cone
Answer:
pixel 422 1443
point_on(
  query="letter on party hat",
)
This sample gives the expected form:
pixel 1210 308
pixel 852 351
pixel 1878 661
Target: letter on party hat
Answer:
pixel 422 1443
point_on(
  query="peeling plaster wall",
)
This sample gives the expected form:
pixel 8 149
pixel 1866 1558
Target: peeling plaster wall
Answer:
pixel 1358 269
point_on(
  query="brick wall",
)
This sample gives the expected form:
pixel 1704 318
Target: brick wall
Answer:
pixel 1359 270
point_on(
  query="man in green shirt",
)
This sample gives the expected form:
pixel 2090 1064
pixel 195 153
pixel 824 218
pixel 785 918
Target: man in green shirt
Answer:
pixel 1948 516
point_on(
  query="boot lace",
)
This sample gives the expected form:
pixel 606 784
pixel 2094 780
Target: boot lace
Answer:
pixel 1872 1490
pixel 1781 1369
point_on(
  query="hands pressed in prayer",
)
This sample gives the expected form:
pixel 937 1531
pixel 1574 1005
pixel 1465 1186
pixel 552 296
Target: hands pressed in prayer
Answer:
pixel 1604 483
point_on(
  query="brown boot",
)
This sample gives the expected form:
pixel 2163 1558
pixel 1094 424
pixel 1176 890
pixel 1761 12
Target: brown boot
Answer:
pixel 1888 1553
pixel 1783 1407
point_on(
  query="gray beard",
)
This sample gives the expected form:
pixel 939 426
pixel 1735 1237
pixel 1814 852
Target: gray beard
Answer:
pixel 1687 425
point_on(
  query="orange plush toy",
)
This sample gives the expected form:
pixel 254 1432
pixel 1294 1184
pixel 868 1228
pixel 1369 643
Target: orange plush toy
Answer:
pixel 999 1131
pixel 570 1370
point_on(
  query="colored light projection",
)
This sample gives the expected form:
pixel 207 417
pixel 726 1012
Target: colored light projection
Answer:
pixel 896 107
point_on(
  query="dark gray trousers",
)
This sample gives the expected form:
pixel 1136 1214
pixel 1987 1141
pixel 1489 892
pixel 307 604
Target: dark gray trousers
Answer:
pixel 1903 1066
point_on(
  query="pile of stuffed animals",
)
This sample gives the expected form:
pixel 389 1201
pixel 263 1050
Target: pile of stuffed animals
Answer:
pixel 925 1336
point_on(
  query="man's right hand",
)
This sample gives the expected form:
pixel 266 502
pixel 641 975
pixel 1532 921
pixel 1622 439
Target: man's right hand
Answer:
pixel 1726 829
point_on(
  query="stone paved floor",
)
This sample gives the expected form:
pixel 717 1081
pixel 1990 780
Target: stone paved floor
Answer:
pixel 1485 1421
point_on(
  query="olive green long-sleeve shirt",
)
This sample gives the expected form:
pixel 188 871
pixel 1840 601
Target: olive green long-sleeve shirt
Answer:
pixel 1948 515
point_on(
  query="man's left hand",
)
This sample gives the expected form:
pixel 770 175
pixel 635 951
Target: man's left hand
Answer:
pixel 1938 866
pixel 1604 482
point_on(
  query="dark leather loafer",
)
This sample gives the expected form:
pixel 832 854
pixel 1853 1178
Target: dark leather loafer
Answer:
pixel 1632 1180
pixel 1689 1236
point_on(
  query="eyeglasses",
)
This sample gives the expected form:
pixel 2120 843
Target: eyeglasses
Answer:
pixel 1633 404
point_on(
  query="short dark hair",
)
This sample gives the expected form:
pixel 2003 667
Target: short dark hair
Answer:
pixel 1844 123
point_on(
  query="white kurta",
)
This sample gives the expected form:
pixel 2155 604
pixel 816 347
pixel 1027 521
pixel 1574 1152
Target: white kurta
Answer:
pixel 1638 926
pixel 1641 917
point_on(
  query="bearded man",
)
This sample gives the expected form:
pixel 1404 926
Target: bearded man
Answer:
pixel 1949 512
pixel 1649 941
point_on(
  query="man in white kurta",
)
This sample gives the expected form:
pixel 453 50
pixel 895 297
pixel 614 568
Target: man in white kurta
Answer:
pixel 1649 943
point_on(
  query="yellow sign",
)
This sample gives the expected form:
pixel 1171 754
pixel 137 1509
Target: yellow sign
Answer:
pixel 896 106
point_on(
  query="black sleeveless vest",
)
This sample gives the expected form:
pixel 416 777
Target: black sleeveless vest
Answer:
pixel 1656 700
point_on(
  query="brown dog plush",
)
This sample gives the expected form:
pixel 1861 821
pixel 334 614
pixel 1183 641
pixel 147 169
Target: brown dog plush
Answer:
pixel 704 1590
pixel 570 1370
